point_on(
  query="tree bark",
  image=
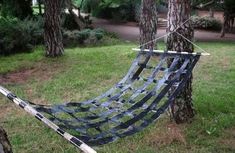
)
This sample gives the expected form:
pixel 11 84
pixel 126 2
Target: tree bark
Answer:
pixel 224 26
pixel 52 28
pixel 5 146
pixel 40 7
pixel 148 23
pixel 78 18
pixel 178 14
pixel 211 13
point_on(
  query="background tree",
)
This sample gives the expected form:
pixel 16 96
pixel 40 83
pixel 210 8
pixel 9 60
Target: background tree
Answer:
pixel 179 13
pixel 148 22
pixel 52 28
pixel 16 8
pixel 77 17
pixel 228 7
pixel 40 2
pixel 5 146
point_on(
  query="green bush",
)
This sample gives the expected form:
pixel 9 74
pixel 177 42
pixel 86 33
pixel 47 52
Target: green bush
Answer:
pixel 16 8
pixel 34 27
pixel 99 33
pixel 123 10
pixel 84 37
pixel 19 36
pixel 207 23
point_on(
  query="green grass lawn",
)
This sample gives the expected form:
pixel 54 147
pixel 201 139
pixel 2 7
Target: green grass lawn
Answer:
pixel 86 72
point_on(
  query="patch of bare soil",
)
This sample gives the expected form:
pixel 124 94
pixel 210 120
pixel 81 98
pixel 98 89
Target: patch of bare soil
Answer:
pixel 16 77
pixel 165 136
pixel 4 110
pixel 39 72
pixel 229 139
pixel 225 62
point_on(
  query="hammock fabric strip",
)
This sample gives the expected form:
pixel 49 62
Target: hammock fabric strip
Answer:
pixel 24 105
pixel 147 90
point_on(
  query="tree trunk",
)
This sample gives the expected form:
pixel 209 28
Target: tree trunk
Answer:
pixel 40 7
pixel 78 18
pixel 148 23
pixel 224 25
pixel 179 12
pixel 5 146
pixel 211 13
pixel 52 28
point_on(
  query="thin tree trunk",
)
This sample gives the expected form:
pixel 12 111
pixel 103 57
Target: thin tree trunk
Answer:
pixel 148 23
pixel 211 13
pixel 5 146
pixel 77 18
pixel 224 26
pixel 179 13
pixel 52 28
pixel 40 7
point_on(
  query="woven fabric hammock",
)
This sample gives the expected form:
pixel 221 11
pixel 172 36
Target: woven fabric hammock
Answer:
pixel 132 104
pixel 128 107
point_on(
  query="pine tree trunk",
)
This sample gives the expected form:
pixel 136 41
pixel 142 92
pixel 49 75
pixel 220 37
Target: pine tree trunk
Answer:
pixel 211 13
pixel 77 18
pixel 52 28
pixel 179 12
pixel 5 146
pixel 40 7
pixel 225 25
pixel 148 23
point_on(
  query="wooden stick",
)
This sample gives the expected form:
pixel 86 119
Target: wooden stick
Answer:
pixel 171 52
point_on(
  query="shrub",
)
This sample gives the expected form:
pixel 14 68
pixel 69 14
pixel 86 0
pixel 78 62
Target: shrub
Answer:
pixel 19 36
pixel 34 27
pixel 84 34
pixel 16 8
pixel 84 37
pixel 99 33
pixel 207 23
pixel 118 11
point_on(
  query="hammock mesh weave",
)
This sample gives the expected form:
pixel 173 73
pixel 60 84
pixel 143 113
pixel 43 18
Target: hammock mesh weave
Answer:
pixel 131 105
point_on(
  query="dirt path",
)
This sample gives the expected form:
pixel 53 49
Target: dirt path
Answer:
pixel 130 31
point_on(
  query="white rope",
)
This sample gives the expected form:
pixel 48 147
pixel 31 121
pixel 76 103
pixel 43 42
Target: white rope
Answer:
pixel 175 31
pixel 154 40
pixel 191 42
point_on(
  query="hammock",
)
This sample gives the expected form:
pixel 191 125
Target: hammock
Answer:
pixel 127 108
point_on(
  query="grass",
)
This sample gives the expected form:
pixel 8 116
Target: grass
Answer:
pixel 86 72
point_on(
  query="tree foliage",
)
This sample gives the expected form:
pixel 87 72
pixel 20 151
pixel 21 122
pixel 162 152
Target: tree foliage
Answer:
pixel 16 8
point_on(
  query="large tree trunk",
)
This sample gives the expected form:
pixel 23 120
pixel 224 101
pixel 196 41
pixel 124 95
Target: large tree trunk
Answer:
pixel 179 13
pixel 5 146
pixel 52 28
pixel 148 23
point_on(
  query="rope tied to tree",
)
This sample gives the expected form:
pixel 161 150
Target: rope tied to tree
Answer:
pixel 142 46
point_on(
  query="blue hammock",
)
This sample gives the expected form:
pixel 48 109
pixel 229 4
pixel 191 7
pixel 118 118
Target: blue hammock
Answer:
pixel 128 107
